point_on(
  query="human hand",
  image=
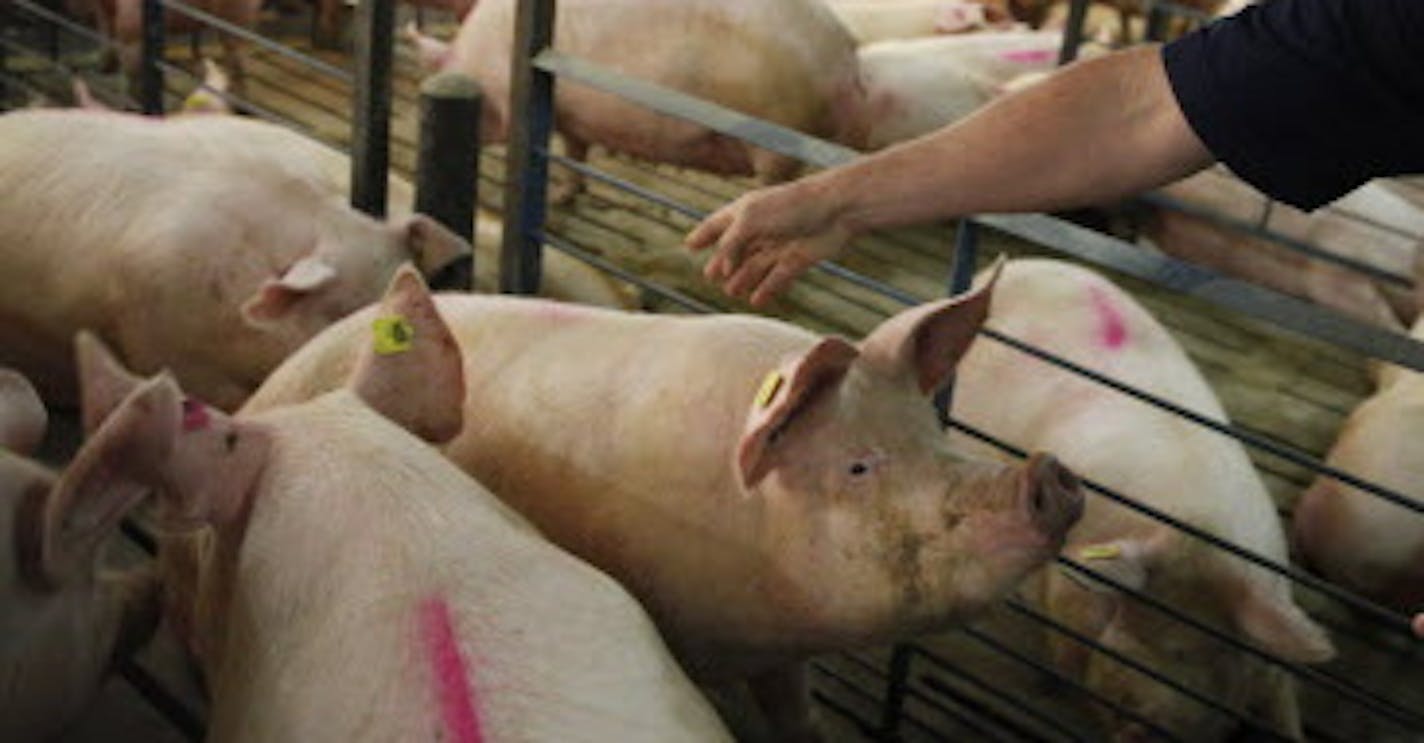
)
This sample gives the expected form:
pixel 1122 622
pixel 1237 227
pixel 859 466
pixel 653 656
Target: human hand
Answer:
pixel 767 238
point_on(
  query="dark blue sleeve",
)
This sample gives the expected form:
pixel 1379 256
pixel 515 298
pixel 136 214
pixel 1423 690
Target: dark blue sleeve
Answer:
pixel 1307 99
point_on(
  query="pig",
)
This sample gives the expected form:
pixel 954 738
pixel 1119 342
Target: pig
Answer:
pixel 870 22
pixel 122 21
pixel 358 586
pixel 1357 539
pixel 1166 462
pixel 917 86
pixel 766 493
pixel 209 244
pixel 736 53
pixel 1234 253
pixel 64 622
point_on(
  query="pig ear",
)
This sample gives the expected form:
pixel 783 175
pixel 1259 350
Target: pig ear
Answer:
pixel 784 392
pixel 107 477
pixel 1275 623
pixel 103 381
pixel 429 244
pixel 23 418
pixel 276 296
pixel 927 341
pixel 412 372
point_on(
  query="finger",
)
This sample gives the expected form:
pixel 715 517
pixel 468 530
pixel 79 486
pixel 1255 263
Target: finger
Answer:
pixel 780 277
pixel 705 234
pixel 732 249
pixel 751 273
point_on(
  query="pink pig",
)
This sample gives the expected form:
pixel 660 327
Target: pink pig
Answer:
pixel 63 621
pixel 789 62
pixel 351 584
pixel 212 245
pixel 767 493
pixel 1357 539
pixel 871 21
pixel 1168 463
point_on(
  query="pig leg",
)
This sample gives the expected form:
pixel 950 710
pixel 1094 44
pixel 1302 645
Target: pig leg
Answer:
pixel 571 182
pixel 232 58
pixel 784 696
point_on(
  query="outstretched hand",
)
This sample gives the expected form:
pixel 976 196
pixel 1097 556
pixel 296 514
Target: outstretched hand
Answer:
pixel 767 238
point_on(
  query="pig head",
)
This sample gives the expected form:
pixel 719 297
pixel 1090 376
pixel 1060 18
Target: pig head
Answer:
pixel 63 621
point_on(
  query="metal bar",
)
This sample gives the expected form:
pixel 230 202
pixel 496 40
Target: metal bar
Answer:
pixel 446 187
pixel 1051 232
pixel 262 41
pixel 371 106
pixel 527 179
pixel 1023 659
pixel 1001 696
pixel 625 185
pixel 150 73
pixel 1073 31
pixel 1342 687
pixel 980 708
pixel 1397 622
pixel 866 727
pixel 672 295
pixel 174 711
pixel 1157 18
pixel 897 682
pixel 1164 201
pixel 880 673
pixel 1142 668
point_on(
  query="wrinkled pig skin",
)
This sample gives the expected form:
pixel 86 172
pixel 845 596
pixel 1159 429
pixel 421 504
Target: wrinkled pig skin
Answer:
pixel 351 584
pixel 212 245
pixel 1154 457
pixel 759 521
pixel 1358 539
pixel 737 53
pixel 64 622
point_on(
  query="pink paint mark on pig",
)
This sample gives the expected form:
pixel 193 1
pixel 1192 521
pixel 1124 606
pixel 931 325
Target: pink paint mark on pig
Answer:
pixel 1112 329
pixel 195 415
pixel 452 679
pixel 1029 56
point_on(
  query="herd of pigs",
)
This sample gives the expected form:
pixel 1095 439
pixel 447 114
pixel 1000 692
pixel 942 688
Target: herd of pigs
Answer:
pixel 388 514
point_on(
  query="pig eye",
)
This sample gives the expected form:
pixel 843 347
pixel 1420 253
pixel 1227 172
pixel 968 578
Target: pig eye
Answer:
pixel 859 468
pixel 230 440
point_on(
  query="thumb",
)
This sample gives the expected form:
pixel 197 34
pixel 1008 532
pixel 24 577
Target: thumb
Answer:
pixel 705 234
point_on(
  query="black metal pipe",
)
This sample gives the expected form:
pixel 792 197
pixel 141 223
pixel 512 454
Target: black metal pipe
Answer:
pixel 531 102
pixel 371 105
pixel 447 165
pixel 565 246
pixel 1012 701
pixel 150 70
pixel 188 722
pixel 897 682
pixel 1073 31
pixel 981 709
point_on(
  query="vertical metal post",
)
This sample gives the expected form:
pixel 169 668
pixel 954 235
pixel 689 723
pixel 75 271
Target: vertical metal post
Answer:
pixel 897 687
pixel 961 276
pixel 371 108
pixel 446 170
pixel 1157 17
pixel 4 61
pixel 1073 31
pixel 150 72
pixel 532 105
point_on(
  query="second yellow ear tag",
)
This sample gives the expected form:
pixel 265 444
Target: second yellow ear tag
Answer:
pixel 1100 552
pixel 393 334
pixel 769 387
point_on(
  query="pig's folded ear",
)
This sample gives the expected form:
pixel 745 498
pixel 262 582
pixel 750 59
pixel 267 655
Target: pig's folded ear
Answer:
pixel 276 296
pixel 109 475
pixel 411 372
pixel 1275 623
pixel 103 380
pixel 784 392
pixel 22 415
pixel 927 341
pixel 429 244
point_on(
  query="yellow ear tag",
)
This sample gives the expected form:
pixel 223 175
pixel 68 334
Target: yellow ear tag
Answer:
pixel 393 334
pixel 197 100
pixel 769 387
pixel 1100 552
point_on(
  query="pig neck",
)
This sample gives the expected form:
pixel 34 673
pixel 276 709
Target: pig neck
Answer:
pixel 640 416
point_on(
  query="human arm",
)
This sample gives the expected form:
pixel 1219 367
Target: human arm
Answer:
pixel 1098 130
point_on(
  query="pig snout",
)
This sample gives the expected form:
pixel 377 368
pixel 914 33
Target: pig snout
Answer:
pixel 1052 495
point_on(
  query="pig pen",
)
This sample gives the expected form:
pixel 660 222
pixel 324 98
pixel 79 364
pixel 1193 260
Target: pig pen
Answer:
pixel 991 680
